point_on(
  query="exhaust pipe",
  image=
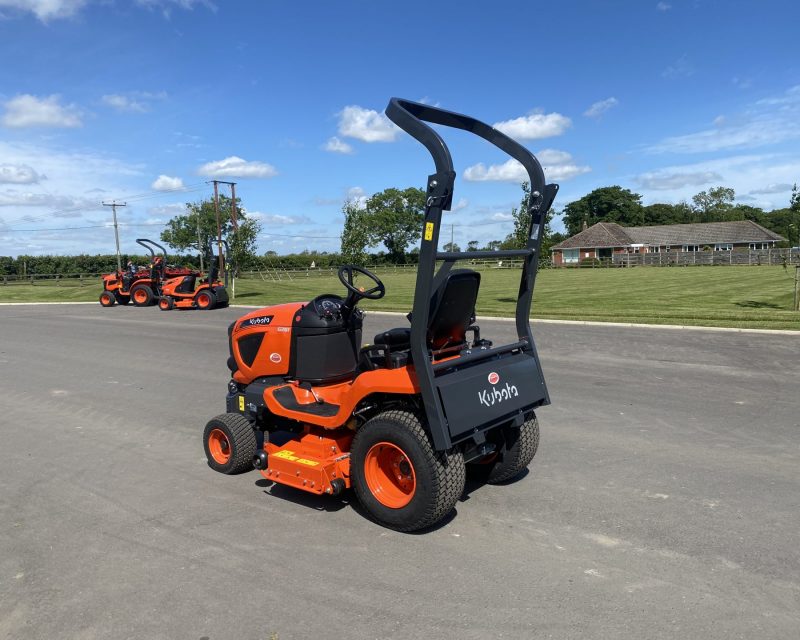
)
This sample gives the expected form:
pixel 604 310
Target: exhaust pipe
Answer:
pixel 260 460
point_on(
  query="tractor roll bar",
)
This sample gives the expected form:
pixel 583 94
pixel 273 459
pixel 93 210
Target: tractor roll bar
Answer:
pixel 146 244
pixel 409 117
pixel 412 118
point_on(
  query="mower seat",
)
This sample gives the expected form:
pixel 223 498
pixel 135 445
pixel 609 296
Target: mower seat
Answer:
pixel 452 312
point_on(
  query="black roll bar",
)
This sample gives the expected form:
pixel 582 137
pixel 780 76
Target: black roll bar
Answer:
pixel 412 118
pixel 145 243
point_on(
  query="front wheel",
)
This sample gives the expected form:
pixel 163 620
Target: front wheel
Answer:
pixel 230 443
pixel 400 480
pixel 107 298
pixel 167 303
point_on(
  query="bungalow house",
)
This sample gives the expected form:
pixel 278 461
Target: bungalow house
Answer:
pixel 607 239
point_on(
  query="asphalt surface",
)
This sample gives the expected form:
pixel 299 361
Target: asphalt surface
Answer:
pixel 664 501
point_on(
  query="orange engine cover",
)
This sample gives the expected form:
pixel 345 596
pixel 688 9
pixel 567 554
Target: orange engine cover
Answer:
pixel 261 341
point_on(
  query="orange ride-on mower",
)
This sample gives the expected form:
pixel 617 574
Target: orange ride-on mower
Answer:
pixel 143 286
pixel 398 420
pixel 186 292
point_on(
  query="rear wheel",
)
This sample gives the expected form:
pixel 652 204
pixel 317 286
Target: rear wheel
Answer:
pixel 107 298
pixel 230 443
pixel 401 481
pixel 205 299
pixel 142 295
pixel 516 452
pixel 167 303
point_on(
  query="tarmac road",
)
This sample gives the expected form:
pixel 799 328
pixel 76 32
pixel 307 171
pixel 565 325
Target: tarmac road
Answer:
pixel 664 501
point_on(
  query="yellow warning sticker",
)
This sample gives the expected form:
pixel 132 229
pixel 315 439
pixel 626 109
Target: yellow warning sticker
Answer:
pixel 429 231
pixel 289 455
pixel 241 403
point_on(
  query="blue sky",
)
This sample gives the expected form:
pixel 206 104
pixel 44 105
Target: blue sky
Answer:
pixel 145 100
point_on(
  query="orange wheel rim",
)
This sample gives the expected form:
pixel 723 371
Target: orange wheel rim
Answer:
pixel 139 295
pixel 219 446
pixel 163 304
pixel 106 298
pixel 390 475
pixel 203 300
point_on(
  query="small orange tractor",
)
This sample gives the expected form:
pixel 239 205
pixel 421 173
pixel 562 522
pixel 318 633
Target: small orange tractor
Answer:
pixel 398 420
pixel 193 291
pixel 143 285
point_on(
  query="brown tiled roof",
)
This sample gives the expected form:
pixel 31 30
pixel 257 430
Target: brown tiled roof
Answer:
pixel 609 234
pixel 602 234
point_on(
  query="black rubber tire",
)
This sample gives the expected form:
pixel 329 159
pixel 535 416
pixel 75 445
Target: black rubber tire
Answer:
pixel 516 453
pixel 440 476
pixel 107 298
pixel 211 296
pixel 121 298
pixel 242 439
pixel 167 303
pixel 148 292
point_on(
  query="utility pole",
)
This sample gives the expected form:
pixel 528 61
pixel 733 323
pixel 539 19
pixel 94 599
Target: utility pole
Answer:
pixel 235 224
pixel 452 227
pixel 216 210
pixel 113 204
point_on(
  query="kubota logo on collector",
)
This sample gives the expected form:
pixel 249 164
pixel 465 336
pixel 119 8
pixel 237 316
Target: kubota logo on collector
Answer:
pixel 491 396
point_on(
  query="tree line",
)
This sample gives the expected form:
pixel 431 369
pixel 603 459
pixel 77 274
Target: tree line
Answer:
pixel 392 219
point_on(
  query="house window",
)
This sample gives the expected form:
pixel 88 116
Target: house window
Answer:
pixel 723 246
pixel 585 254
pixel 570 255
pixel 754 246
pixel 689 247
pixel 654 249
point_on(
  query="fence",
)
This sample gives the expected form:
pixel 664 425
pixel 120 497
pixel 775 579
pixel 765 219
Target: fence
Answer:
pixel 684 258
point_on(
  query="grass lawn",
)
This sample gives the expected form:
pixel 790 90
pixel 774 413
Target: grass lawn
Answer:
pixel 752 297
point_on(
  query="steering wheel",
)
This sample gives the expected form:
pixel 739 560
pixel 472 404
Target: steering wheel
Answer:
pixel 346 278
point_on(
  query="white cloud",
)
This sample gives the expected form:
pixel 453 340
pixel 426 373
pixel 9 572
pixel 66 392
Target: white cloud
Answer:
pixel 277 219
pixel 746 174
pixel 335 145
pixel 29 111
pixel 46 9
pixel 663 6
pixel 357 195
pixel 755 133
pixel 166 183
pixel 17 198
pixel 366 124
pixel 681 68
pixel 782 187
pixel 666 180
pixel 535 125
pixel 166 6
pixel 502 217
pixel 123 103
pixel 463 203
pixel 18 174
pixel 600 107
pixel 558 166
pixel 236 167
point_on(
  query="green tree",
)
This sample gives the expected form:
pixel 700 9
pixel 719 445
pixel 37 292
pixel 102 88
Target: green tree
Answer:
pixel 451 246
pixel 472 245
pixel 355 234
pixel 521 215
pixel 182 231
pixel 394 218
pixel 794 201
pixel 606 204
pixel 714 205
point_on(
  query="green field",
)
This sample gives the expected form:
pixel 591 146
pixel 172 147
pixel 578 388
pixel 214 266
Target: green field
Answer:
pixel 746 297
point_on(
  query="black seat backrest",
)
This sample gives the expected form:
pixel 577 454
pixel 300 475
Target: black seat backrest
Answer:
pixel 453 308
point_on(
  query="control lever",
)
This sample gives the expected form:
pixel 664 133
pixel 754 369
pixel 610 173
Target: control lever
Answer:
pixel 307 387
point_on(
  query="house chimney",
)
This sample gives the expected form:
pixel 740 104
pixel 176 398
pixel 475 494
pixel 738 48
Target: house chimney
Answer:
pixel 585 225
